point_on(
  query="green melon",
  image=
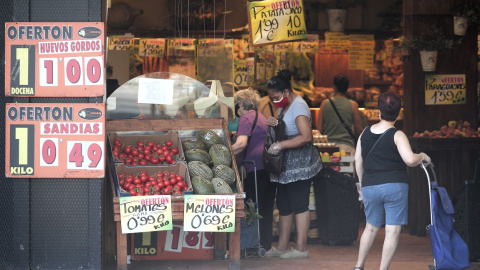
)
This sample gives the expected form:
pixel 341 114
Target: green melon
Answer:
pixel 224 172
pixel 198 155
pixel 208 137
pixel 202 186
pixel 197 168
pixel 220 155
pixel 220 186
pixel 192 144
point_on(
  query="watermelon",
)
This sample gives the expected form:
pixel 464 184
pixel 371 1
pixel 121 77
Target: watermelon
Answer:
pixel 202 186
pixel 220 186
pixel 224 172
pixel 198 155
pixel 192 144
pixel 197 168
pixel 208 137
pixel 220 155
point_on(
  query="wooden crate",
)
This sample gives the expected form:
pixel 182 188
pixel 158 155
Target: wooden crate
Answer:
pixel 177 201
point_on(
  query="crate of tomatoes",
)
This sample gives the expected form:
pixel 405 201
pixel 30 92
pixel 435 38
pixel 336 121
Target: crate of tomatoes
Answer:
pixel 146 149
pixel 153 180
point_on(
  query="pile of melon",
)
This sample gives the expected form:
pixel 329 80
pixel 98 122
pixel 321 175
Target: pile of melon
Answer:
pixel 209 163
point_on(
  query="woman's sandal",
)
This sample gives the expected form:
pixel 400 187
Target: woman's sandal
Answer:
pixel 357 268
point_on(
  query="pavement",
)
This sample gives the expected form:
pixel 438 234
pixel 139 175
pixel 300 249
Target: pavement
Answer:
pixel 413 253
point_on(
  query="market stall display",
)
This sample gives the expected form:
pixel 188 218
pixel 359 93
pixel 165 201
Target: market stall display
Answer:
pixel 202 155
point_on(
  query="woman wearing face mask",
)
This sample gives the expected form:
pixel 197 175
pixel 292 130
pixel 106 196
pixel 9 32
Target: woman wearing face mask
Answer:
pixel 301 163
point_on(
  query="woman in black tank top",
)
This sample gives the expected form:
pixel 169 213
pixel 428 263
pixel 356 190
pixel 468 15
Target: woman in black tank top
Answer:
pixel 381 158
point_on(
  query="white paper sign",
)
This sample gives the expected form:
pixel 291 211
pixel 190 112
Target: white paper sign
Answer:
pixel 155 91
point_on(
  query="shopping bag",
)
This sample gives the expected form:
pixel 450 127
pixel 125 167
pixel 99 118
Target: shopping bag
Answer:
pixel 448 248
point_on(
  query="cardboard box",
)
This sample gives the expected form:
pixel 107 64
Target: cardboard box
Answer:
pixel 131 138
pixel 179 168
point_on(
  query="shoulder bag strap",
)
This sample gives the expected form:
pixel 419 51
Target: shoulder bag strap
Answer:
pixel 271 109
pixel 375 144
pixel 341 120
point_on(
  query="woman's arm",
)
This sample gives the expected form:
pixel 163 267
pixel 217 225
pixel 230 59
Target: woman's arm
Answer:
pixel 320 117
pixel 359 159
pixel 304 136
pixel 410 158
pixel 240 144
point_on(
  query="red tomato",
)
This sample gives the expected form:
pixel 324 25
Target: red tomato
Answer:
pixel 153 182
pixel 140 144
pixel 160 185
pixel 180 184
pixel 169 159
pixel 117 141
pixel 173 181
pixel 167 191
pixel 127 186
pixel 150 143
pixel 135 152
pixel 185 188
pixel 154 160
pixel 179 177
pixel 174 150
pixel 144 178
pixel 127 149
pixel 161 158
pixel 143 162
pixel 140 155
pixel 133 192
pixel 169 143
pixel 166 183
pixel 165 148
pixel 137 181
pixel 159 174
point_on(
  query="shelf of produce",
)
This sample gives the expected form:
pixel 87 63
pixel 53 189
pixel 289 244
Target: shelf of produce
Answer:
pixel 163 125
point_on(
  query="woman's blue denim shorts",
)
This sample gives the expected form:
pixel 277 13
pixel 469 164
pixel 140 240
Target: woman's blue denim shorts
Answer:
pixel 386 204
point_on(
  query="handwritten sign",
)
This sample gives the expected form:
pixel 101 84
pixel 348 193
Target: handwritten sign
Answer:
pixel 240 72
pixel 336 41
pixel 209 213
pixel 152 47
pixel 310 45
pixel 155 91
pixel 55 140
pixel 361 52
pixel 54 59
pixel 145 213
pixel 275 21
pixel 445 89
pixel 121 43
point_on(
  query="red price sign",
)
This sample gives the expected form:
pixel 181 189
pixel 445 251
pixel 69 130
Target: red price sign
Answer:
pixel 55 140
pixel 54 59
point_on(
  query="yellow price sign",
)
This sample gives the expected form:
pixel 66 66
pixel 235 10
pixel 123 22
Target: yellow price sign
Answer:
pixel 445 89
pixel 274 21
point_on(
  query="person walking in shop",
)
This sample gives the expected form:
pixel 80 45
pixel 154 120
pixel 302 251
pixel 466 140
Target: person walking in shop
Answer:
pixel 249 139
pixel 301 163
pixel 383 177
pixel 338 109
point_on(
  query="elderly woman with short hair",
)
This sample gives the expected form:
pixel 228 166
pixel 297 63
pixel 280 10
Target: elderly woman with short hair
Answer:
pixel 249 140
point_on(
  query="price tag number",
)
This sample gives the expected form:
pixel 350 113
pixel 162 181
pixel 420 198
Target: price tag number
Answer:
pixel 77 71
pixel 241 79
pixel 86 155
pixel 136 221
pixel 200 220
pixel 444 97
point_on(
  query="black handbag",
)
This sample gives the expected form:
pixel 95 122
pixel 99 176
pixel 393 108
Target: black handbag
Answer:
pixel 273 163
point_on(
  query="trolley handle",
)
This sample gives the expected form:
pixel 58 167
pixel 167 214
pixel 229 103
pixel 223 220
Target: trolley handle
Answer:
pixel 430 186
